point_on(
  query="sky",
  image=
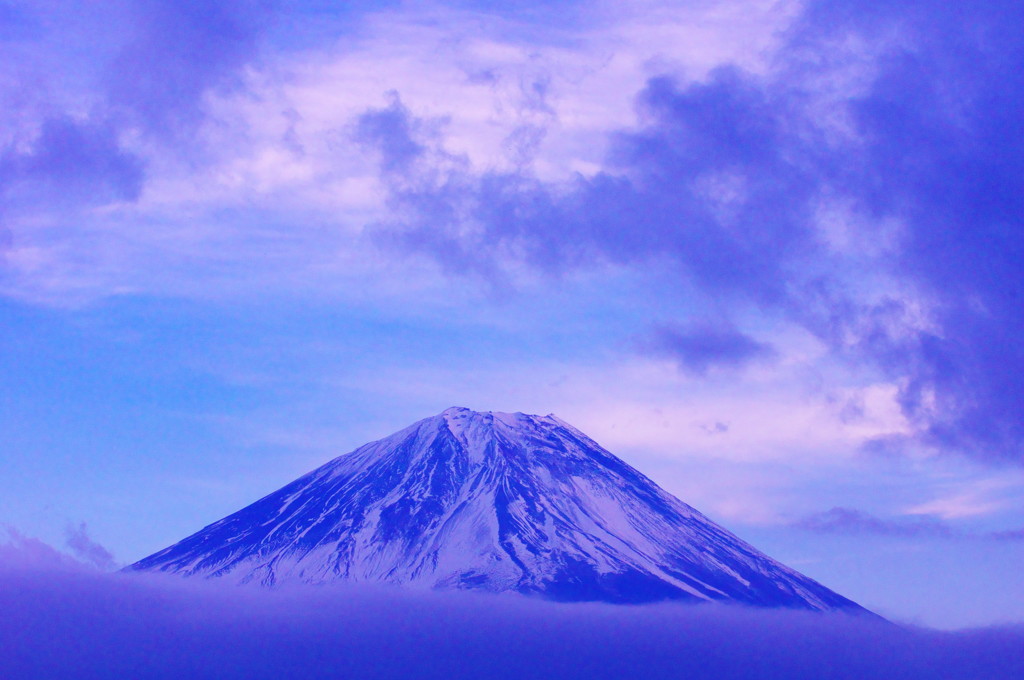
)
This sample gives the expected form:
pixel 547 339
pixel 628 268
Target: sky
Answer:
pixel 767 252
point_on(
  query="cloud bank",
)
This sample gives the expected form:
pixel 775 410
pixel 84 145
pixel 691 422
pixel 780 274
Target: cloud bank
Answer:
pixel 69 621
pixel 81 625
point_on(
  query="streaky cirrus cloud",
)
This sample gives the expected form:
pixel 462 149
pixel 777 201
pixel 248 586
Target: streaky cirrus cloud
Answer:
pixel 78 623
pixel 87 550
pixel 852 521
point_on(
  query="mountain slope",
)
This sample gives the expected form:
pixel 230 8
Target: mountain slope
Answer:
pixel 493 501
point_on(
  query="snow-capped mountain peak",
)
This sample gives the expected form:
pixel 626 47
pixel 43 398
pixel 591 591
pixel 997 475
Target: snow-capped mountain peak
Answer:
pixel 494 501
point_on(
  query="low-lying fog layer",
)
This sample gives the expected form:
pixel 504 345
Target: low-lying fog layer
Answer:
pixel 64 620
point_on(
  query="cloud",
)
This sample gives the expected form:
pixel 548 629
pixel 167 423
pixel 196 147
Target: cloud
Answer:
pixel 236 111
pixel 1012 535
pixel 391 131
pixel 674 190
pixel 87 550
pixel 852 521
pixel 701 347
pixel 860 183
pixel 179 51
pixel 160 60
pixel 86 126
pixel 82 624
pixel 73 160
pixel 19 552
pixel 865 188
pixel 103 105
pixel 936 153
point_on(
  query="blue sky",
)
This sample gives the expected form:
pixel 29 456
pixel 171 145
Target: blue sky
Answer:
pixel 767 252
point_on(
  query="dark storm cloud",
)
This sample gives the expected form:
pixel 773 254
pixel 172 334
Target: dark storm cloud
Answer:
pixel 700 347
pixel 77 623
pixel 724 180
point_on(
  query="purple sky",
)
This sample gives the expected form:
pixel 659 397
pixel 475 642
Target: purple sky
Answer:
pixel 769 252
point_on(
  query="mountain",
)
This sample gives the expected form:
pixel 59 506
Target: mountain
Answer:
pixel 492 501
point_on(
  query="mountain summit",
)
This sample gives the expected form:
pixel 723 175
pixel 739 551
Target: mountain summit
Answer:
pixel 492 501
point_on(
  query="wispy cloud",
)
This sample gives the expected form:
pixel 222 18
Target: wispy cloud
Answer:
pixel 852 521
pixel 88 550
pixel 848 520
pixel 19 552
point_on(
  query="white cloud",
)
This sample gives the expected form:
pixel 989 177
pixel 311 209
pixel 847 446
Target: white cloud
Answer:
pixel 973 498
